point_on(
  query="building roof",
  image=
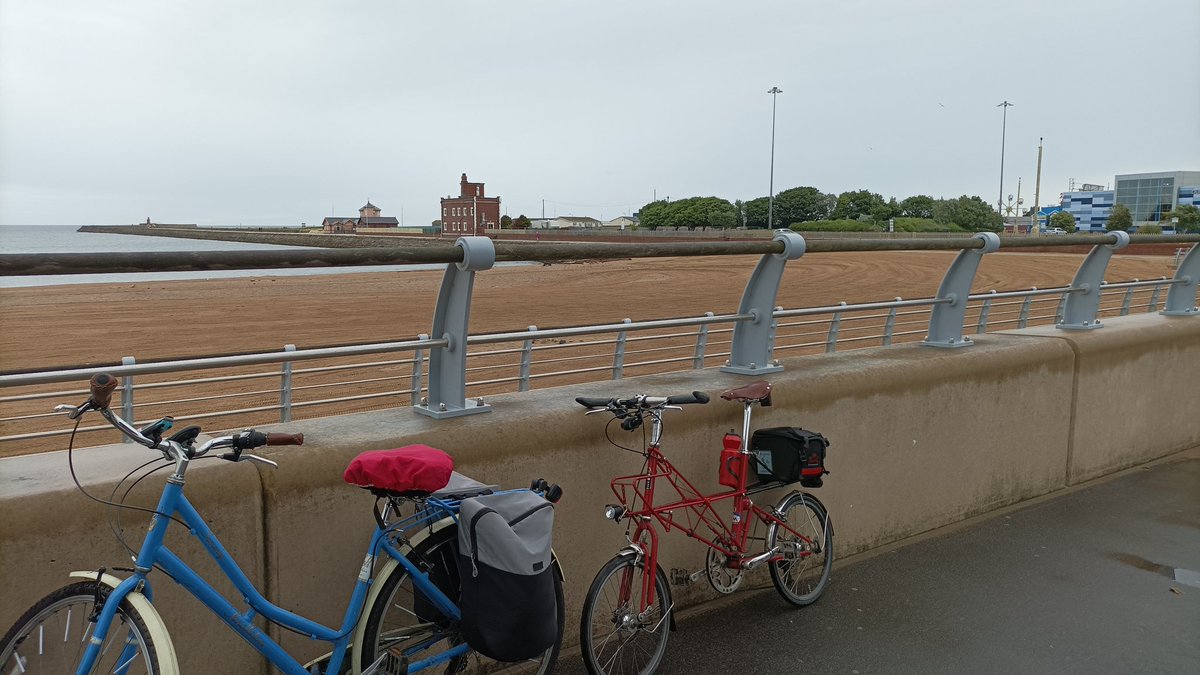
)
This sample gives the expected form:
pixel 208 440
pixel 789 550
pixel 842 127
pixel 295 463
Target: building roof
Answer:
pixel 368 205
pixel 378 222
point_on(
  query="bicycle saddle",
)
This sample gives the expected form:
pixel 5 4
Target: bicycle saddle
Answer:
pixel 412 470
pixel 754 392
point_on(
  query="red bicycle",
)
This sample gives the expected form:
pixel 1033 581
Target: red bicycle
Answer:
pixel 628 611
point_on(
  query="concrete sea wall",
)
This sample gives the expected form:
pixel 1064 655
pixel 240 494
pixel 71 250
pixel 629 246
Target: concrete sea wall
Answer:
pixel 920 438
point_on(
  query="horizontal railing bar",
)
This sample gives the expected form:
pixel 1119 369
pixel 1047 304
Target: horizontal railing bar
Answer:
pixel 217 362
pixel 350 366
pixel 605 328
pixel 357 397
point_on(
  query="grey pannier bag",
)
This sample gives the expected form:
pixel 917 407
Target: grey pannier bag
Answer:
pixel 507 597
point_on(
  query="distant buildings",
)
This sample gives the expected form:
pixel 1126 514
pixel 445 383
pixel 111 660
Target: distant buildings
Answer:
pixel 368 219
pixel 1147 196
pixel 471 212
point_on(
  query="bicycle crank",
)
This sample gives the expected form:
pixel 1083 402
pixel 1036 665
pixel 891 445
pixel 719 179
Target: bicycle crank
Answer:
pixel 723 579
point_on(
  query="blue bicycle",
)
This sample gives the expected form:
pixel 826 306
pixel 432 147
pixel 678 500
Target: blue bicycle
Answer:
pixel 402 616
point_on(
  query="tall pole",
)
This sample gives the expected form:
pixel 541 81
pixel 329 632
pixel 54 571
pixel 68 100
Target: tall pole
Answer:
pixel 773 91
pixel 1037 190
pixel 1003 131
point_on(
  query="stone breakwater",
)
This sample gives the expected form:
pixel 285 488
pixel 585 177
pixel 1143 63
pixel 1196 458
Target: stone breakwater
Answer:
pixel 267 237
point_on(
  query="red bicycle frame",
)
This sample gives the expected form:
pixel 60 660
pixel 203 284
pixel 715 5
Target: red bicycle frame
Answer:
pixel 698 520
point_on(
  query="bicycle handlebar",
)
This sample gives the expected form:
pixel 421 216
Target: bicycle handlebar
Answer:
pixel 102 386
pixel 641 401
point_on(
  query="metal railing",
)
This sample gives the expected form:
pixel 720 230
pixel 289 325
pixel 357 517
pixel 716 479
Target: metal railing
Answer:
pixel 419 373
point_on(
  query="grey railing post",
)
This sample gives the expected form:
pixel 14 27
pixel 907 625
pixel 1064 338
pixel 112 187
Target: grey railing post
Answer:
pixel 285 388
pixel 1082 303
pixel 418 373
pixel 981 327
pixel 701 345
pixel 1154 296
pixel 526 362
pixel 1128 299
pixel 835 324
pixel 451 320
pixel 1023 318
pixel 127 396
pixel 751 351
pixel 1181 299
pixel 618 368
pixel 889 325
pixel 946 319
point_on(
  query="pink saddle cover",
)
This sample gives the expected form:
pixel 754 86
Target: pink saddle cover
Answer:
pixel 413 468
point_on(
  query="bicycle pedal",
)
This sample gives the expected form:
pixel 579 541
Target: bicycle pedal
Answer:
pixel 394 664
pixel 681 577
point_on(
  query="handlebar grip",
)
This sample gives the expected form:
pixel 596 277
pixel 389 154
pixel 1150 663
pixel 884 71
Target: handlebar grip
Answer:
pixel 285 439
pixel 694 397
pixel 102 385
pixel 593 402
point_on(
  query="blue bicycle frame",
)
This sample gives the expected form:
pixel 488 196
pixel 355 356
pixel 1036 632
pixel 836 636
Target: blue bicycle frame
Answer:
pixel 154 553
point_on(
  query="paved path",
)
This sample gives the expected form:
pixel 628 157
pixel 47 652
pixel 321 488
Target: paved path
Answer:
pixel 1093 581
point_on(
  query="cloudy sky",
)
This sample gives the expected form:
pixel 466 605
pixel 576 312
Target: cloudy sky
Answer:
pixel 226 112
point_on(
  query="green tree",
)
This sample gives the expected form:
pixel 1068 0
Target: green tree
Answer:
pixel 1064 221
pixel 970 213
pixel 1188 215
pixel 521 223
pixel 802 204
pixel 856 204
pixel 756 212
pixel 917 206
pixel 690 213
pixel 1119 218
pixel 505 222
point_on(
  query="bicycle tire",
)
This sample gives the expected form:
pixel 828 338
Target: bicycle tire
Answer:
pixel 438 552
pixel 32 644
pixel 802 584
pixel 620 621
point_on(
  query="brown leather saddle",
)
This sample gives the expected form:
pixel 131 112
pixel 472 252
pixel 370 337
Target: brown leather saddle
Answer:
pixel 755 392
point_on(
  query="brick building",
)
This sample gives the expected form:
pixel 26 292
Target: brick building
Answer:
pixel 471 212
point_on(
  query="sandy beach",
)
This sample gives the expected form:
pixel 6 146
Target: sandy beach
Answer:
pixel 54 327
pixel 65 326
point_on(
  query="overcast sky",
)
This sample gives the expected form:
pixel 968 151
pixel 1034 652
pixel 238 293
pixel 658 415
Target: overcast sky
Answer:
pixel 284 112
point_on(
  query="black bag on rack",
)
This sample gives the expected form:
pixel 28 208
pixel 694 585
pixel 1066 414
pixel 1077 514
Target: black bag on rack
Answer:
pixel 509 608
pixel 789 454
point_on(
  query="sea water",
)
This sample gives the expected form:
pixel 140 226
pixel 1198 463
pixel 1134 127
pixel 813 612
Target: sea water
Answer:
pixel 68 239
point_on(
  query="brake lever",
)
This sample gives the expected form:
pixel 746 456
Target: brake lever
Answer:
pixel 73 412
pixel 589 411
pixel 261 460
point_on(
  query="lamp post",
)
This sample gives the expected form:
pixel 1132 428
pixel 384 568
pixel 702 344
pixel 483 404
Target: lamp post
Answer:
pixel 773 91
pixel 1003 131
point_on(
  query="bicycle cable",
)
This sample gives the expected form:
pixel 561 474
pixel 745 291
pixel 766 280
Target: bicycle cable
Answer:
pixel 609 438
pixel 71 466
pixel 114 524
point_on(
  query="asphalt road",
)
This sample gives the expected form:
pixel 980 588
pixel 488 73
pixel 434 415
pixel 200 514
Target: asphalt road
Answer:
pixel 1104 578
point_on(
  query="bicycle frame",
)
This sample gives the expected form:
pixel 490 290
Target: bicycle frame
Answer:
pixel 637 492
pixel 155 553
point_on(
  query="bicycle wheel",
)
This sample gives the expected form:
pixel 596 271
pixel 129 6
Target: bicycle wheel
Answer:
pixel 612 635
pixel 53 634
pixel 402 620
pixel 801 576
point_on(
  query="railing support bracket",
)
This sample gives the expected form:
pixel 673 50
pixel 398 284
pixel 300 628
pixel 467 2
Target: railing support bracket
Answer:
pixel 1083 302
pixel 451 319
pixel 753 341
pixel 946 319
pixel 1181 299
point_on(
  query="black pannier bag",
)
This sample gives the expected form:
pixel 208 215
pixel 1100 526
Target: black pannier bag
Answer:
pixel 509 608
pixel 789 454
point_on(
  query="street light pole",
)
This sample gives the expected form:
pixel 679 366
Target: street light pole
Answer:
pixel 771 193
pixel 1003 131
